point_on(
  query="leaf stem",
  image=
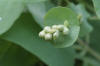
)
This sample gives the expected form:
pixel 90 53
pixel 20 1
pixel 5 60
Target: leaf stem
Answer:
pixel 90 50
pixel 87 40
pixel 93 18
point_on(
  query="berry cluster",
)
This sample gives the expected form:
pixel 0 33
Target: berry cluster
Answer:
pixel 52 33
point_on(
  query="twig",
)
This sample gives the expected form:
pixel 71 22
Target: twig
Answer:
pixel 93 18
pixel 87 40
pixel 90 50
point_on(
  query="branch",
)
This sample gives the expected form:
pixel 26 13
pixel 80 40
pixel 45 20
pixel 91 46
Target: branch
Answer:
pixel 90 50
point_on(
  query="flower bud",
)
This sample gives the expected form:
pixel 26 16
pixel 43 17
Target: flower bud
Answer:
pixel 56 35
pixel 66 23
pixel 47 29
pixel 65 31
pixel 52 30
pixel 48 36
pixel 54 27
pixel 42 34
pixel 60 27
pixel 79 17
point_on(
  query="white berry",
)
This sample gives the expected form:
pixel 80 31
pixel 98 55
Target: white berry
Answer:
pixel 65 31
pixel 55 27
pixel 60 27
pixel 56 35
pixel 52 30
pixel 47 29
pixel 42 34
pixel 48 36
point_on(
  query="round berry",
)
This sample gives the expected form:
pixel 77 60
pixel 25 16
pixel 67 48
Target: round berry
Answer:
pixel 48 36
pixel 56 35
pixel 60 27
pixel 42 34
pixel 55 27
pixel 47 29
pixel 65 31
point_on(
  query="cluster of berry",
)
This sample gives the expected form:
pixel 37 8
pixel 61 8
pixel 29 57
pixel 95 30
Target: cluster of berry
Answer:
pixel 52 33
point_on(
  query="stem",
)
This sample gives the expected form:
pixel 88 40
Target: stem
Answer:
pixel 90 50
pixel 93 18
pixel 83 53
pixel 59 2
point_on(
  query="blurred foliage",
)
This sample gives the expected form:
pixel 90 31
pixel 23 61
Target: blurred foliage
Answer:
pixel 22 20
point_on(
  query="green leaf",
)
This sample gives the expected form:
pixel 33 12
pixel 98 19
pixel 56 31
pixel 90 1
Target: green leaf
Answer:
pixel 25 33
pixel 10 10
pixel 57 16
pixel 13 55
pixel 38 10
pixel 97 8
pixel 90 62
pixel 79 9
pixel 34 1
pixel 95 35
pixel 85 27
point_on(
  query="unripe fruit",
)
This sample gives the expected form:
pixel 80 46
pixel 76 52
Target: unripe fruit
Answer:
pixel 65 31
pixel 48 36
pixel 42 34
pixel 56 35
